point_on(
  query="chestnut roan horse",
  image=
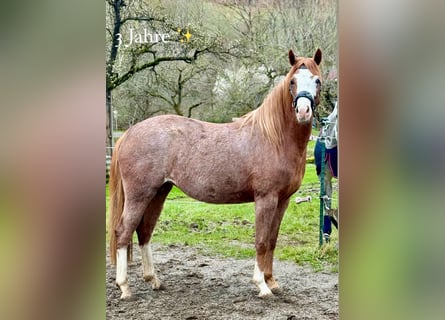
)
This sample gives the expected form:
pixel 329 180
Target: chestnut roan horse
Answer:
pixel 261 157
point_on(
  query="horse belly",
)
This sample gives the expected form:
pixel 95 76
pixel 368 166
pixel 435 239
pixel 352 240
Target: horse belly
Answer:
pixel 211 195
pixel 213 181
pixel 214 192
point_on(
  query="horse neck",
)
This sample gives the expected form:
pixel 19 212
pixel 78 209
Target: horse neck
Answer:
pixel 299 136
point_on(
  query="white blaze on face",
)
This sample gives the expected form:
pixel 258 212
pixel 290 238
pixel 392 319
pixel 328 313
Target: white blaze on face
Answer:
pixel 305 81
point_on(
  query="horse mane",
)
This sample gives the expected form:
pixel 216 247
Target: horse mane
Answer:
pixel 271 116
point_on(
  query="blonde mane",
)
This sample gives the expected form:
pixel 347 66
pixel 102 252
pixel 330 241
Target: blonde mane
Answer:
pixel 271 116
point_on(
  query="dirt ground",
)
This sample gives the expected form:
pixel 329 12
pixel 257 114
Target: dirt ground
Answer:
pixel 202 287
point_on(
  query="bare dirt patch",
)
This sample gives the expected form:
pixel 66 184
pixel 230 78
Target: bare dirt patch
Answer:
pixel 199 287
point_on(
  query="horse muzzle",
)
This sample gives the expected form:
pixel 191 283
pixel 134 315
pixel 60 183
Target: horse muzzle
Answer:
pixel 304 105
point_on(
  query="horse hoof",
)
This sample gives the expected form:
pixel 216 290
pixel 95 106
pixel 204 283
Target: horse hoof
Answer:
pixel 276 290
pixel 266 296
pixel 273 286
pixel 159 286
pixel 127 298
pixel 156 284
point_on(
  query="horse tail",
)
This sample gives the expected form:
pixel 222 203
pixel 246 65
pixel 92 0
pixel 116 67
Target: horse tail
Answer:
pixel 117 200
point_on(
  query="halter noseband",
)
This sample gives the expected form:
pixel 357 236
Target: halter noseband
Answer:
pixel 304 94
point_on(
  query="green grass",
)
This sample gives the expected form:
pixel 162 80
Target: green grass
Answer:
pixel 228 230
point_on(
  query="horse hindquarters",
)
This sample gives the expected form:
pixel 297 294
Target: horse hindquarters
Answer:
pixel 134 205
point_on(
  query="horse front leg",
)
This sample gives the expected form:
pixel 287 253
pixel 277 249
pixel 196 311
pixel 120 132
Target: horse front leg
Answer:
pixel 264 212
pixel 274 229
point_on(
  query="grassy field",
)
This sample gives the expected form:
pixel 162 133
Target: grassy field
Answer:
pixel 228 230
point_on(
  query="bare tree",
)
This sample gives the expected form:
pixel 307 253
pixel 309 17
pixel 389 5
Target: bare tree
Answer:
pixel 122 18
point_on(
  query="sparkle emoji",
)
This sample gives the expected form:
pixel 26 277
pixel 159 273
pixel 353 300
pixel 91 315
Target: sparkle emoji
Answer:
pixel 187 35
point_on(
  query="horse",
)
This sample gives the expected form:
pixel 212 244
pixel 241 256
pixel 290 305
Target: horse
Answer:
pixel 258 158
pixel 329 134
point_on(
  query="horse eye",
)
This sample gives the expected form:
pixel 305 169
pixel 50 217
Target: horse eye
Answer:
pixel 292 82
pixel 318 82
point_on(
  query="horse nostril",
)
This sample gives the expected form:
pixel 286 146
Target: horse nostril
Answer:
pixel 303 110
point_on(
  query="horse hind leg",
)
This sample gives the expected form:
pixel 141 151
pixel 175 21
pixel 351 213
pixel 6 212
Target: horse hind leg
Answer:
pixel 131 217
pixel 121 273
pixel 149 273
pixel 145 231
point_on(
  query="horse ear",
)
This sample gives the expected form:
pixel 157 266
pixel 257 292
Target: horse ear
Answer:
pixel 291 57
pixel 317 57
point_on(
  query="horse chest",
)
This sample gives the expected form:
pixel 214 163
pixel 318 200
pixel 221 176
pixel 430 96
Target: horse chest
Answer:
pixel 295 175
pixel 278 176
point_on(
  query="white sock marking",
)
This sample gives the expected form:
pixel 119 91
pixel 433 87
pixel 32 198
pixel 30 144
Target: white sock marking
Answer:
pixel 258 278
pixel 147 260
pixel 121 266
pixel 149 269
pixel 121 272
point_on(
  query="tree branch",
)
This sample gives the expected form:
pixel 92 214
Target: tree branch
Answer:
pixel 162 97
pixel 148 19
pixel 189 113
pixel 179 91
pixel 150 114
pixel 135 69
pixel 109 32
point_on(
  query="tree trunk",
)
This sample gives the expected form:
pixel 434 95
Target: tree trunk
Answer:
pixel 110 75
pixel 109 124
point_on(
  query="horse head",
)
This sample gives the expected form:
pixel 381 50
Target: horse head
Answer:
pixel 304 81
